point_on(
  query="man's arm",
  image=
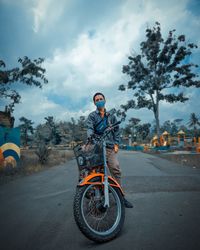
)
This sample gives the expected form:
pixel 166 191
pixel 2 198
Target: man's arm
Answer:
pixel 90 125
pixel 116 134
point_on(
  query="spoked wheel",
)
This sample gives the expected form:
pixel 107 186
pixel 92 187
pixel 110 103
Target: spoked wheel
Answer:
pixel 97 222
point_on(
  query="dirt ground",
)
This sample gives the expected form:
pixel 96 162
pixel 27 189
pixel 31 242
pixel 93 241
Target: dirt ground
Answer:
pixel 29 164
pixel 183 158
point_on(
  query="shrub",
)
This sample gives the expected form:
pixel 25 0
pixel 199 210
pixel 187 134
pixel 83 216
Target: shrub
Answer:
pixel 43 151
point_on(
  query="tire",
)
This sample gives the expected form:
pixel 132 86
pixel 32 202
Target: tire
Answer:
pixel 82 223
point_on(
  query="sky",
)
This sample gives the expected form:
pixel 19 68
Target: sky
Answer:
pixel 85 43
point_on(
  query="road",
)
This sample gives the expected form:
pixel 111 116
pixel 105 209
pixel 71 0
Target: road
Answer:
pixel 36 212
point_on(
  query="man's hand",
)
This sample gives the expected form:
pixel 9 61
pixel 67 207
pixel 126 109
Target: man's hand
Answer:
pixel 116 148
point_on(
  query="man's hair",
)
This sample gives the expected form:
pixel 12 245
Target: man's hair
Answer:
pixel 98 93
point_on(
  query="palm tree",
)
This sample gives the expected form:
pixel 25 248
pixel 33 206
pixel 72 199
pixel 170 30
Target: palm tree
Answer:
pixel 193 122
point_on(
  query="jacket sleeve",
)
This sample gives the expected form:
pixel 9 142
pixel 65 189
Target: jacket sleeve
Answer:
pixel 90 125
pixel 116 134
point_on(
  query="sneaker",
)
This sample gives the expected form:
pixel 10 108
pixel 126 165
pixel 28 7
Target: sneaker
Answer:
pixel 127 204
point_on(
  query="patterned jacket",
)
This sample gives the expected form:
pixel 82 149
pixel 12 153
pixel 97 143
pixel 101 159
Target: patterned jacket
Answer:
pixel 94 121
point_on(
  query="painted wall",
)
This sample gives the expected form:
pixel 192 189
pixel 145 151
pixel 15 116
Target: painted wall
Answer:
pixel 9 145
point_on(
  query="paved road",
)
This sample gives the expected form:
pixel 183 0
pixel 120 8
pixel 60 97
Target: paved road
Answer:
pixel 36 211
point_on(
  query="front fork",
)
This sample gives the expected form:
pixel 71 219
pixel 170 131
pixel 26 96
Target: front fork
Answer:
pixel 106 183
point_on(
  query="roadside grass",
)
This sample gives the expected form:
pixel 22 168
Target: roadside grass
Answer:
pixel 29 164
pixel 183 159
pixel 192 160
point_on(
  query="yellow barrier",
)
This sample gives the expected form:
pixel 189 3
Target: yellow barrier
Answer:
pixel 198 146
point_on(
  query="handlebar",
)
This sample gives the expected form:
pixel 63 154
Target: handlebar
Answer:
pixel 117 123
pixel 107 130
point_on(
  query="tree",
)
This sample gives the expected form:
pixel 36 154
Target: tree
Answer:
pixel 174 129
pixel 41 134
pixel 72 125
pixel 30 73
pixel 26 128
pixel 143 130
pixel 81 128
pixel 135 128
pixel 160 72
pixel 65 131
pixel 54 133
pixel 127 130
pixel 194 122
pixel 166 126
pixel 170 126
pixel 134 123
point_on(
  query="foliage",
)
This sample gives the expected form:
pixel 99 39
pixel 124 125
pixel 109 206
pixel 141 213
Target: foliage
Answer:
pixel 76 130
pixel 136 129
pixel 143 130
pixel 160 72
pixel 26 128
pixel 30 73
pixel 194 122
pixel 171 127
pixel 54 134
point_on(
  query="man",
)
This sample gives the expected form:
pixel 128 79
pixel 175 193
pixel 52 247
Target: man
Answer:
pixel 97 121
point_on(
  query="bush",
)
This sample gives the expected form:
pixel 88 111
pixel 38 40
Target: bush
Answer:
pixel 43 153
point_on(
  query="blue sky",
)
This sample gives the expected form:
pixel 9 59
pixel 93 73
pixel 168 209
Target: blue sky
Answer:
pixel 85 43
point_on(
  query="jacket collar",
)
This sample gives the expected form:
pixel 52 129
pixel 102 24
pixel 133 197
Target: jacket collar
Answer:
pixel 98 112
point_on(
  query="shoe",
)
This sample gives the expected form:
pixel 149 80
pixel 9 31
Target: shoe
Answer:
pixel 127 204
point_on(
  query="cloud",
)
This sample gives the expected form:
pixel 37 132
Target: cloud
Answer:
pixel 46 13
pixel 35 106
pixel 92 61
pixel 97 61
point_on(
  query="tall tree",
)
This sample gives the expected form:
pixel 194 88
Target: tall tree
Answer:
pixel 30 73
pixel 26 128
pixel 160 71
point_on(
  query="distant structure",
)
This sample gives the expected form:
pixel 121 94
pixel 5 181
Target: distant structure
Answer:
pixel 6 120
pixel 9 141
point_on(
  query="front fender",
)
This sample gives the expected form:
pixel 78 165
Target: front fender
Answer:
pixel 98 179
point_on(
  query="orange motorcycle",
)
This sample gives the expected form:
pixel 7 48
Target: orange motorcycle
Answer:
pixel 98 203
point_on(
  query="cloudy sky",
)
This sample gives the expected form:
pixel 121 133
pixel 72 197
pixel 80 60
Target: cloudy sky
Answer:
pixel 85 44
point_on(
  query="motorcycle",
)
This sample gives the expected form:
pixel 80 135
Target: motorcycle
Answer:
pixel 99 209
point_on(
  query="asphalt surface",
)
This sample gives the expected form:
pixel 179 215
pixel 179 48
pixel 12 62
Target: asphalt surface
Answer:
pixel 36 212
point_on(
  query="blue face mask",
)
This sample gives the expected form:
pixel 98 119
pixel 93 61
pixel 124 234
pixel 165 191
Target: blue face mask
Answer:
pixel 100 104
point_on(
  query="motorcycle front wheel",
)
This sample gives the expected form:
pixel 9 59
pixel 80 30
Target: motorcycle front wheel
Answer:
pixel 96 222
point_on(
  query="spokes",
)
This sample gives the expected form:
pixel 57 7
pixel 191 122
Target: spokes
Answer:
pixel 99 219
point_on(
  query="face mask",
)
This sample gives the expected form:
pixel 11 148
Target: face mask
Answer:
pixel 100 104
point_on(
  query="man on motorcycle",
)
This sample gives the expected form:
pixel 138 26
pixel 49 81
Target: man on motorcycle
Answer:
pixel 97 121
